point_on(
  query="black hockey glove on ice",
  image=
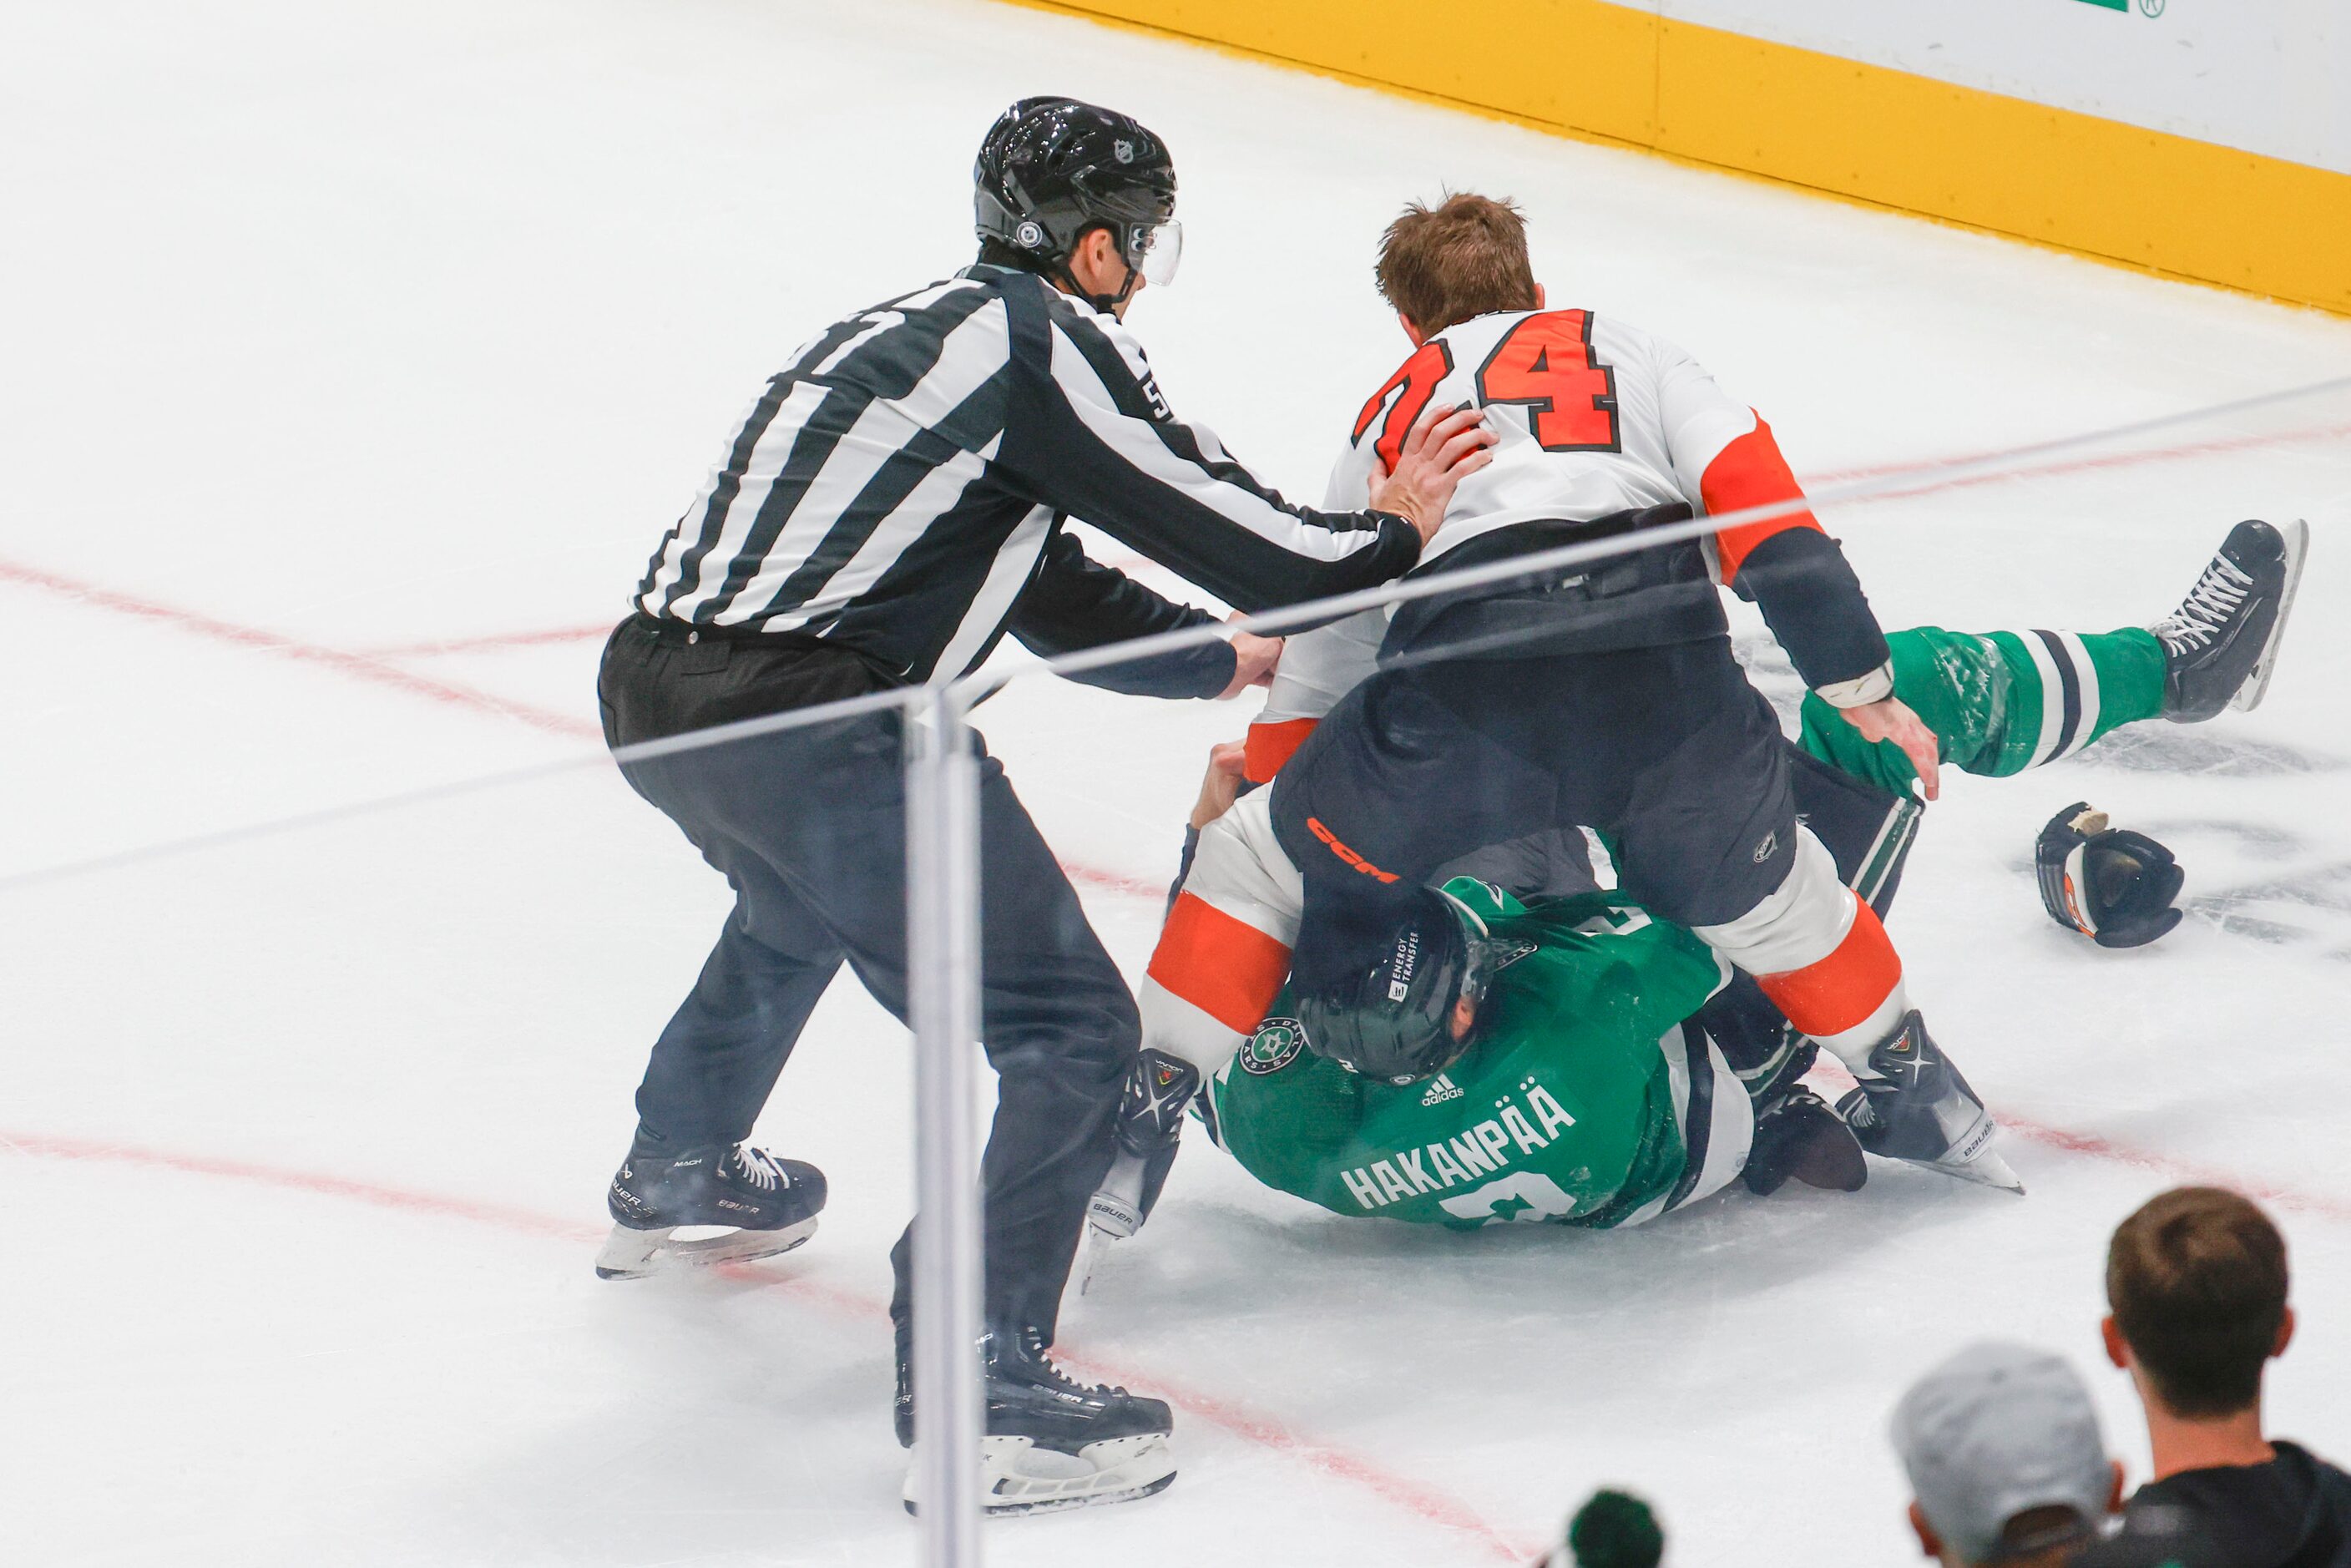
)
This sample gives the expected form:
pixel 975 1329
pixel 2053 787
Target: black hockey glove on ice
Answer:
pixel 2111 884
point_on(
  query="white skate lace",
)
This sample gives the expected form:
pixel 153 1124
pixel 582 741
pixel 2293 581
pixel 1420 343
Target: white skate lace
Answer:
pixel 1053 1369
pixel 759 1168
pixel 2206 609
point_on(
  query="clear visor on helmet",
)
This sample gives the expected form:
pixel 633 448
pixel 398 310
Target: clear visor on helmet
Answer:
pixel 1153 249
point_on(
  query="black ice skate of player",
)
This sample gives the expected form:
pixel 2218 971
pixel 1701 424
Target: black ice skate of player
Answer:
pixel 893 505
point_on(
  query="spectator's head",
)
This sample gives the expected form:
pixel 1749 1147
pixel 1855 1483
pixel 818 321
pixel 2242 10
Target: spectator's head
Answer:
pixel 1612 1529
pixel 2196 1286
pixel 2006 1464
pixel 1462 259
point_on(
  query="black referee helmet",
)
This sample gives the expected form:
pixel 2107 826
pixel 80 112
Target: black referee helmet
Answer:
pixel 1052 168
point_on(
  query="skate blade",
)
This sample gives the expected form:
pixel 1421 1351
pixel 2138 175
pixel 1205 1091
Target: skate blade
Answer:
pixel 1017 1476
pixel 635 1254
pixel 1985 1168
pixel 1099 1248
pixel 1973 1157
pixel 2296 535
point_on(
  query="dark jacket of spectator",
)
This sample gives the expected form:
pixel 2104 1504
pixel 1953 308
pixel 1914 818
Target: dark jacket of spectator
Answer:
pixel 2293 1512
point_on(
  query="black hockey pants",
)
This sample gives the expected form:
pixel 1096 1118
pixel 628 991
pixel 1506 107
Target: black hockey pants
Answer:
pixel 1667 750
pixel 808 826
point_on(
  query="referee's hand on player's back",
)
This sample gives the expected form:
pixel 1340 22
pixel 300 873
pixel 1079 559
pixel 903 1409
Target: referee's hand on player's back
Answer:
pixel 1445 447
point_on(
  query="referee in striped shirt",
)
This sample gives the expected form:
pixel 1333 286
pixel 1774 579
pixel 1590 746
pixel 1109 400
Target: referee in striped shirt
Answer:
pixel 893 504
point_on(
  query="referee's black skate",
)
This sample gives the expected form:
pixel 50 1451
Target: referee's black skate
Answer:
pixel 2220 646
pixel 1051 1442
pixel 714 1204
pixel 1913 1105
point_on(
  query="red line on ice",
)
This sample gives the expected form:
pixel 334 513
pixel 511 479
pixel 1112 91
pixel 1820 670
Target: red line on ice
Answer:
pixel 1127 561
pixel 1422 1501
pixel 2182 1171
pixel 374 1193
pixel 375 667
pixel 1113 882
pixel 1425 1502
pixel 493 639
pixel 360 666
pixel 1833 1079
pixel 2034 470
pixel 1428 1503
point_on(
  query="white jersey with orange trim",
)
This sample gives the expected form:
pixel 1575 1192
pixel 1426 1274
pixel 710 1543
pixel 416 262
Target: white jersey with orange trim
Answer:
pixel 1594 417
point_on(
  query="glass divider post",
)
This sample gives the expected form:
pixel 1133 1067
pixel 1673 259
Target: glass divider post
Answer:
pixel 942 984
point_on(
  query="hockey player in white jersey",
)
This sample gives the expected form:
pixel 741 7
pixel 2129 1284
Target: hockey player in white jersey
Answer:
pixel 1604 696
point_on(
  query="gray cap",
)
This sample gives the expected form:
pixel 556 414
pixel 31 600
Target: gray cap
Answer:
pixel 1994 1431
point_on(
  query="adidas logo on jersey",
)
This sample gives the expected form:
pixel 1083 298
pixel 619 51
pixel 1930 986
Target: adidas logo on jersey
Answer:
pixel 1440 1091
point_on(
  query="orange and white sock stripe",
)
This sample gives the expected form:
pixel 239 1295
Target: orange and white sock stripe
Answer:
pixel 1225 951
pixel 1850 1000
pixel 1821 955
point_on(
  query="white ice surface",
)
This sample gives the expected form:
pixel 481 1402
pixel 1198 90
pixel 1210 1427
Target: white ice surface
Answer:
pixel 336 330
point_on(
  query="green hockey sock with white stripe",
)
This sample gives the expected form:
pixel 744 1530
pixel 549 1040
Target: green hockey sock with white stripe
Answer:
pixel 2002 702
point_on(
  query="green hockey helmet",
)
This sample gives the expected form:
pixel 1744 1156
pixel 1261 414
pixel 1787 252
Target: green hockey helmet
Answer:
pixel 1391 1018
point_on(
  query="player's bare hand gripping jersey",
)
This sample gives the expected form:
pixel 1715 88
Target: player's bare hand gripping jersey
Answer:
pixel 1595 418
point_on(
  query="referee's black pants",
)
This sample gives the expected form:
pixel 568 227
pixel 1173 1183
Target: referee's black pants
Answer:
pixel 810 827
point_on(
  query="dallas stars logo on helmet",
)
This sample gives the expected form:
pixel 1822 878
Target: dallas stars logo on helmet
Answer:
pixel 1274 1046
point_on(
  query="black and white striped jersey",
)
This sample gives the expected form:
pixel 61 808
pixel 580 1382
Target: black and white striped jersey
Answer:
pixel 894 489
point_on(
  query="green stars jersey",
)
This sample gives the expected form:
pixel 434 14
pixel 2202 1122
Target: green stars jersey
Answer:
pixel 1563 1110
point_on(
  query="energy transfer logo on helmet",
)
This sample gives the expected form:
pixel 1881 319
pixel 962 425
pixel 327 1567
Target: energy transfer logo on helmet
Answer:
pixel 1052 168
pixel 1393 1019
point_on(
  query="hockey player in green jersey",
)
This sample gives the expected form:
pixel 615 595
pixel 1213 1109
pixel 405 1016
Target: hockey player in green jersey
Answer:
pixel 1582 1096
pixel 1577 1060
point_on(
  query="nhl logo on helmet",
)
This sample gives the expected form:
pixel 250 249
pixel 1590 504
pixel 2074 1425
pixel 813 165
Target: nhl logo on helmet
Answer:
pixel 1051 169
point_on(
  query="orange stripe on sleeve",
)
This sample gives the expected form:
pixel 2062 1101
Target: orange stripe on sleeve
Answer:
pixel 1842 990
pixel 1271 744
pixel 1226 967
pixel 1750 471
